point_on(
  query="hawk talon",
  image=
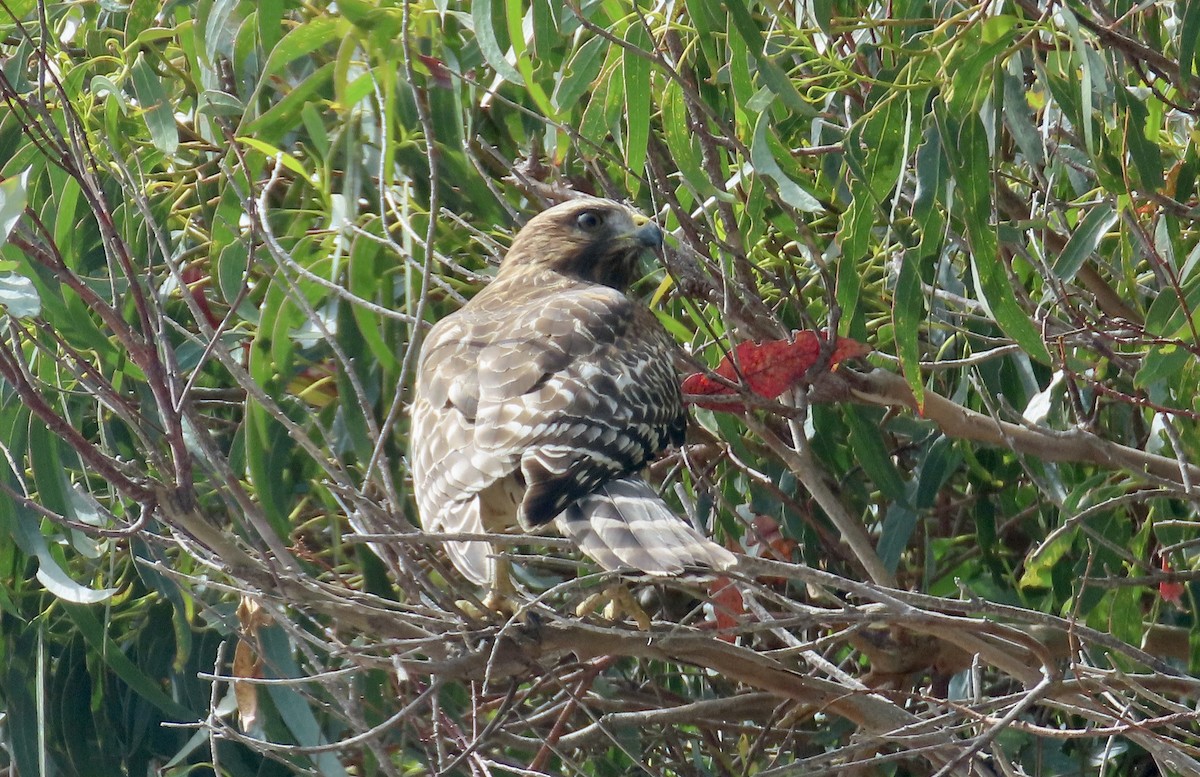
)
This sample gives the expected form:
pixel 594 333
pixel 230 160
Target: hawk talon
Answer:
pixel 617 602
pixel 493 604
pixel 502 597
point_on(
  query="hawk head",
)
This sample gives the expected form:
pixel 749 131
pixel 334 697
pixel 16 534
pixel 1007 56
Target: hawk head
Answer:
pixel 590 239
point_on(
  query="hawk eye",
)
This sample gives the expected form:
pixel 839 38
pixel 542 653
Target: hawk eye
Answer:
pixel 588 220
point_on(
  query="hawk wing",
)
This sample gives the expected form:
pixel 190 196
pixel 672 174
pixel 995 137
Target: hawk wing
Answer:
pixel 588 394
pixel 530 398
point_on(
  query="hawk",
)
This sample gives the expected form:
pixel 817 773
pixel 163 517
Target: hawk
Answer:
pixel 543 397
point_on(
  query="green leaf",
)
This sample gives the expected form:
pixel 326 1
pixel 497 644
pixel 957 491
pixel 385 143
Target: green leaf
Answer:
pixel 268 455
pixel 216 103
pixel 25 703
pixel 1161 364
pixel 1017 115
pixel 220 29
pixel 972 63
pixel 1039 567
pixel 273 153
pixel 1189 37
pixel 740 78
pixel 269 17
pixel 872 455
pixel 282 116
pixel 593 127
pixel 1125 614
pixel 908 308
pixel 875 146
pixel 156 108
pixel 708 18
pixel 67 232
pixel 489 46
pixel 140 16
pixel 765 164
pixel 367 279
pixel 1168 318
pixel 12 203
pixel 1146 155
pixel 637 97
pixel 49 474
pixel 1084 241
pixel 1090 75
pixel 546 35
pixel 968 156
pixel 115 659
pixel 681 141
pixel 916 264
pixel 304 40
pixel 941 461
pixel 894 535
pixel 854 233
pixel 293 707
pixel 580 74
pixel 772 75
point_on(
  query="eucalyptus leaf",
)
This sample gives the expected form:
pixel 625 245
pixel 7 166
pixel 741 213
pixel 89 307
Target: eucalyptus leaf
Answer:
pixel 765 164
pixel 18 296
pixel 12 203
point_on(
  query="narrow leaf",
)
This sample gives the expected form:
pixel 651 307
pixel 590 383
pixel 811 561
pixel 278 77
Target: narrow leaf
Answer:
pixel 897 529
pixel 580 74
pixel 772 74
pixel 156 109
pixel 271 152
pixel 968 156
pixel 1189 37
pixel 764 163
pixel 12 203
pixel 489 46
pixel 637 97
pixel 681 141
pixel 1084 241
pixel 871 453
pixel 303 40
pixel 114 657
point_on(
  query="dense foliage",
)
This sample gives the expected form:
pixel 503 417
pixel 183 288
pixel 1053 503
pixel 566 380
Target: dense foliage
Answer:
pixel 225 224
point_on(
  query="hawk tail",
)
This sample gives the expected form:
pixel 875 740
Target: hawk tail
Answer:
pixel 471 557
pixel 474 559
pixel 624 524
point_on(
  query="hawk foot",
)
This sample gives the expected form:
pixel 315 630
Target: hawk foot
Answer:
pixel 502 597
pixel 503 603
pixel 618 603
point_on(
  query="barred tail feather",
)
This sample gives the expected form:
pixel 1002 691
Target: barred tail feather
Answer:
pixel 474 559
pixel 624 524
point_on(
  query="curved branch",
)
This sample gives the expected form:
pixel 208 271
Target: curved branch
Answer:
pixel 887 389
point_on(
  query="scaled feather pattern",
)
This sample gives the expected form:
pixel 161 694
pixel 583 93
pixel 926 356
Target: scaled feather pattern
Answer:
pixel 542 398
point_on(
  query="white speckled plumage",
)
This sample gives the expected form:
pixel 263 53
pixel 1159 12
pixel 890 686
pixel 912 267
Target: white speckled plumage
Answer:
pixel 544 396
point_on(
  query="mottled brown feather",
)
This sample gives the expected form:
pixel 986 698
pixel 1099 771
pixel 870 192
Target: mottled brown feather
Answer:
pixel 549 390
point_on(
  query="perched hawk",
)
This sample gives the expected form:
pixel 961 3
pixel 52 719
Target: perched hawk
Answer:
pixel 546 394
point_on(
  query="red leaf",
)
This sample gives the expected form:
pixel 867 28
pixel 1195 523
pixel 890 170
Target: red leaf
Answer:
pixel 769 368
pixel 437 70
pixel 1170 592
pixel 196 280
pixel 727 605
pixel 768 535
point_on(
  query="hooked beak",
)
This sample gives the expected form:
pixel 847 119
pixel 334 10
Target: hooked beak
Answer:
pixel 647 232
